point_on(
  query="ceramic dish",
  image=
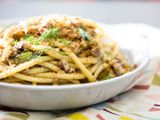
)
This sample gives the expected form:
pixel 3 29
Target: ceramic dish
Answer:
pixel 73 96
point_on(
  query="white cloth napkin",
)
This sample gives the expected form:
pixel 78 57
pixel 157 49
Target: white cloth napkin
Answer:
pixel 137 32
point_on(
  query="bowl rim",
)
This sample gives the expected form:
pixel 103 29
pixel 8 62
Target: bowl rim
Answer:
pixel 142 65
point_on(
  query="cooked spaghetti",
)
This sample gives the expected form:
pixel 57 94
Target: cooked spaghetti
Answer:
pixel 58 50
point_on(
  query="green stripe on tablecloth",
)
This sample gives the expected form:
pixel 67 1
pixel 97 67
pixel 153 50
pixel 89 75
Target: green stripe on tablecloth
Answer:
pixel 156 80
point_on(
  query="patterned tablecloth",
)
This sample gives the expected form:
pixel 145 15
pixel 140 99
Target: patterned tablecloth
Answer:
pixel 142 102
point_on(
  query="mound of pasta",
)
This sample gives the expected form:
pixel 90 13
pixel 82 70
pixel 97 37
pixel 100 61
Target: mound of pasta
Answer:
pixel 58 50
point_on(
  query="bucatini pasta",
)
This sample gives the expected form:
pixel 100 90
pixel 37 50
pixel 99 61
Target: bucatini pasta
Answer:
pixel 56 50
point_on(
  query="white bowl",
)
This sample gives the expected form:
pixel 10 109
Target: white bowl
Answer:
pixel 73 96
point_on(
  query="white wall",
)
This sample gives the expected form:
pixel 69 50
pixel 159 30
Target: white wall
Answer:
pixel 111 12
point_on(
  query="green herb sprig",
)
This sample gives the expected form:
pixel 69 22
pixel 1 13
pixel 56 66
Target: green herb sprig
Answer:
pixel 31 39
pixel 51 33
pixel 84 34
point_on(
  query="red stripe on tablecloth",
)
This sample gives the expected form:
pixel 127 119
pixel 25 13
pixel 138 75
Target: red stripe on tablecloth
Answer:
pixel 157 105
pixel 100 117
pixel 141 87
pixel 153 109
pixel 110 112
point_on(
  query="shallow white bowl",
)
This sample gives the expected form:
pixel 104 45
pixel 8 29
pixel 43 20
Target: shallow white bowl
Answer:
pixel 73 96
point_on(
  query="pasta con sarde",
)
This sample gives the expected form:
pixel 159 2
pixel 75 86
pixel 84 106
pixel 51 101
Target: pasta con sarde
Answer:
pixel 59 50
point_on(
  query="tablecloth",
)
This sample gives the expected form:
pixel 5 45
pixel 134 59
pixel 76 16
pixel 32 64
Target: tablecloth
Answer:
pixel 142 102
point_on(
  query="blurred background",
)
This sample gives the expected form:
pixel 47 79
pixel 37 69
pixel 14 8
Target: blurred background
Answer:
pixel 109 11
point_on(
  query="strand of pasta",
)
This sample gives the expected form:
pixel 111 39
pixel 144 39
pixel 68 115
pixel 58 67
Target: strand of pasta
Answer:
pixel 11 80
pixel 81 66
pixel 67 81
pixel 62 81
pixel 95 67
pixel 100 45
pixel 33 79
pixel 115 49
pixel 100 69
pixel 60 75
pixel 15 80
pixel 88 60
pixel 3 67
pixel 74 81
pixel 37 70
pixel 51 66
pixel 34 83
pixel 24 66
